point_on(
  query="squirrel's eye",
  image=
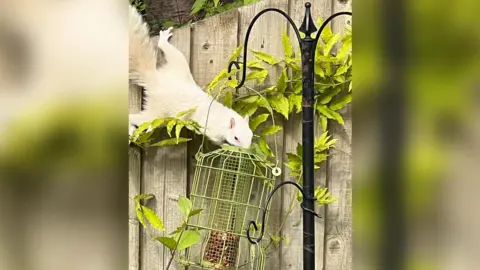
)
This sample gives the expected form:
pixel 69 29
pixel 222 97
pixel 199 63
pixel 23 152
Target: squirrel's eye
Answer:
pixel 236 139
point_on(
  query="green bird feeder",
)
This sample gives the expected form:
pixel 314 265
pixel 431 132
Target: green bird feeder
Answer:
pixel 231 186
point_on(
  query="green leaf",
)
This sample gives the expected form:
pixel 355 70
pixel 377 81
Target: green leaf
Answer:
pixel 299 150
pixel 320 192
pixel 327 31
pixel 250 99
pixel 350 87
pixel 280 104
pixel 182 113
pixel 287 45
pixel 228 99
pixel 220 76
pixel 195 212
pixel 197 6
pixel 270 130
pixel 327 97
pixel 236 53
pixel 156 123
pixel 265 104
pixel 324 110
pixel 339 78
pixel 267 58
pixel 294 162
pixel 297 88
pixel 255 122
pixel 169 242
pixel 152 218
pixel 178 129
pixel 318 158
pixel 215 3
pixel 185 206
pixel 282 82
pixel 341 70
pixel 249 110
pixel 170 126
pixel 188 239
pixel 142 127
pixel 319 69
pixel 169 142
pixel 143 197
pixel 265 148
pixel 295 101
pixel 323 122
pixel 260 76
pixel 293 64
pixel 255 64
pixel 341 102
pixel 138 211
pixel 328 47
pixel 345 49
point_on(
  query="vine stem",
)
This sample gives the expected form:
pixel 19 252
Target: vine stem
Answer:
pixel 176 246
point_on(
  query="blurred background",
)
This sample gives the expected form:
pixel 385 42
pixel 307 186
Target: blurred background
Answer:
pixel 416 134
pixel 63 134
pixel 63 122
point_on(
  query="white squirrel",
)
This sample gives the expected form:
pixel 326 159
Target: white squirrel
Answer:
pixel 165 75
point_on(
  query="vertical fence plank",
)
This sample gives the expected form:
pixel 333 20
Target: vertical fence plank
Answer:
pixel 266 37
pixel 165 176
pixel 176 162
pixel 338 230
pixel 134 175
pixel 292 255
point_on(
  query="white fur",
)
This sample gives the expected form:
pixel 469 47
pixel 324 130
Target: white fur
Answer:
pixel 172 89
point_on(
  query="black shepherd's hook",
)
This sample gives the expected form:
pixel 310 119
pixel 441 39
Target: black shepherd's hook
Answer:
pixel 324 24
pixel 245 47
pixel 255 227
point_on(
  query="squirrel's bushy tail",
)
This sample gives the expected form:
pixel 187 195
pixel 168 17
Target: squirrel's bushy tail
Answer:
pixel 142 52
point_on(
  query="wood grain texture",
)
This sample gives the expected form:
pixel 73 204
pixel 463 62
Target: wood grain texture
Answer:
pixel 266 37
pixel 338 226
pixel 133 190
pixel 292 254
pixel 214 40
pixel 165 176
pixel 153 182
pixel 176 161
pixel 134 177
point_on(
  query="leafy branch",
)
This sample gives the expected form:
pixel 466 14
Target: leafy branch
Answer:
pixel 180 239
pixel 142 136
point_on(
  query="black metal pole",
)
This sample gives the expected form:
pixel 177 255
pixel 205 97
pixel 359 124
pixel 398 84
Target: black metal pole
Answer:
pixel 308 55
pixel 308 47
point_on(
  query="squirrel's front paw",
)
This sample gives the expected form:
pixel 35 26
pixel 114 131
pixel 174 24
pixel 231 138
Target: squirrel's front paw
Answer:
pixel 165 35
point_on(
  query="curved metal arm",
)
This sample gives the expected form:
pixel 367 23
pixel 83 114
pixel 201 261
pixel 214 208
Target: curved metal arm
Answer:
pixel 245 47
pixel 252 223
pixel 319 33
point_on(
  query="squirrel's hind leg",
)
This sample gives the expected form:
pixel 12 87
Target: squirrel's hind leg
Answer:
pixel 175 59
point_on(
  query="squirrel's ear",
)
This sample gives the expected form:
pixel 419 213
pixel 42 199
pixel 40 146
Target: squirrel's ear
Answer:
pixel 232 123
pixel 246 118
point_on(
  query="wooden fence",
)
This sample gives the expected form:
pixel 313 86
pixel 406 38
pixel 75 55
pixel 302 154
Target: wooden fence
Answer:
pixel 167 171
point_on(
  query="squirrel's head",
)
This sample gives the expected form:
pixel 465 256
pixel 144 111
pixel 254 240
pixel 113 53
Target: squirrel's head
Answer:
pixel 239 133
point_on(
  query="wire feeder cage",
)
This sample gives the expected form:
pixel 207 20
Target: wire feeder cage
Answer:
pixel 231 185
